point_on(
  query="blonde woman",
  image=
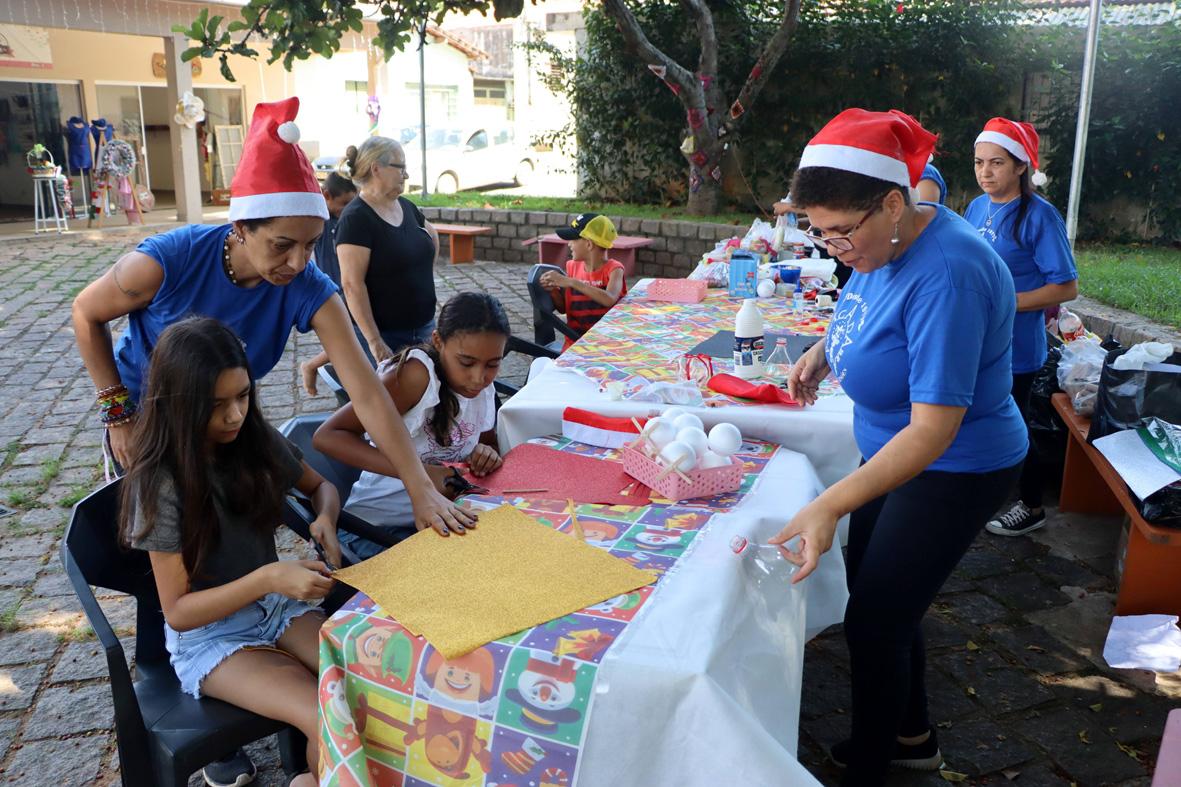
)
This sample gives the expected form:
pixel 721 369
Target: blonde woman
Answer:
pixel 387 252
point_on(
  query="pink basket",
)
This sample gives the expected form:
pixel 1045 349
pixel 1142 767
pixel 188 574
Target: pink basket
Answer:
pixel 676 290
pixel 702 483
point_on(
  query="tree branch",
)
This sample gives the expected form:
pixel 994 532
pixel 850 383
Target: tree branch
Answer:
pixel 690 87
pixel 768 58
pixel 708 64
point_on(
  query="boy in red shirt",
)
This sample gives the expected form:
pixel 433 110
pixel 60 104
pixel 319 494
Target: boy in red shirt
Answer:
pixel 593 283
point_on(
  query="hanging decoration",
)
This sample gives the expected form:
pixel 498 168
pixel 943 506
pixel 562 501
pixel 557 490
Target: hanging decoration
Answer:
pixel 688 145
pixel 700 159
pixel 757 71
pixel 716 174
pixel 696 118
pixel 116 159
pixel 706 80
pixel 373 110
pixel 659 70
pixel 190 110
pixel 694 181
pixel 737 110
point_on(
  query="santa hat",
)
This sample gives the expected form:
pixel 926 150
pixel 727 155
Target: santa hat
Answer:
pixel 561 670
pixel 274 177
pixel 889 146
pixel 1018 138
pixel 601 430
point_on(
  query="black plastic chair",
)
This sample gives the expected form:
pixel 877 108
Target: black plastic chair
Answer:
pixel 545 317
pixel 163 734
pixel 516 345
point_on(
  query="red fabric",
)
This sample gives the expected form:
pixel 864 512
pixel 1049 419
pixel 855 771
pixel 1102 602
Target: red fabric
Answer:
pixel 563 476
pixel 730 385
pixel 894 134
pixel 269 165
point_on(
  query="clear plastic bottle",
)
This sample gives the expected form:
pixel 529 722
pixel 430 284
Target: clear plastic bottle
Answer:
pixel 778 363
pixel 764 561
pixel 797 299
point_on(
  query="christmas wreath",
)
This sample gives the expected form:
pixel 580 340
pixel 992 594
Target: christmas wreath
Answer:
pixel 116 158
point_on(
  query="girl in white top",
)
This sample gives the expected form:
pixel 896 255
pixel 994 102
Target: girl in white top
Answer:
pixel 444 392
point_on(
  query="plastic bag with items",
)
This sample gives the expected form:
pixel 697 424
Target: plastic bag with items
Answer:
pixel 1078 372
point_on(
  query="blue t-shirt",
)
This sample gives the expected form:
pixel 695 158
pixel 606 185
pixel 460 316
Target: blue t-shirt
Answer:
pixel 1041 257
pixel 934 326
pixel 930 173
pixel 195 283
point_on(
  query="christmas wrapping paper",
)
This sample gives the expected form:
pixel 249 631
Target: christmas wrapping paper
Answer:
pixel 394 711
pixel 639 341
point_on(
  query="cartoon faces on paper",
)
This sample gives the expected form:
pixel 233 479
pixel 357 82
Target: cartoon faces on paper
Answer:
pixel 546 694
pixel 468 683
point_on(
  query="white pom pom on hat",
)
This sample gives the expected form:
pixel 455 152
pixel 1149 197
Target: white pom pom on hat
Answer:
pixel 288 132
pixel 1038 178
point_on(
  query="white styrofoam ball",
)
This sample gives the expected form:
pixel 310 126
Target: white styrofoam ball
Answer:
pixel 765 288
pixel 695 439
pixel 672 414
pixel 688 421
pixel 662 434
pixel 710 460
pixel 679 455
pixel 725 439
pixel 651 424
pixel 289 132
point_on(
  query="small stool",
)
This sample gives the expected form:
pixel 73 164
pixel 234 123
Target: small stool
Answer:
pixel 44 196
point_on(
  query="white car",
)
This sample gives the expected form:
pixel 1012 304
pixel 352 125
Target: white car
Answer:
pixel 467 158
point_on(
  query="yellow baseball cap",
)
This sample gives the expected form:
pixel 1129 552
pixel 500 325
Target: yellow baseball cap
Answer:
pixel 594 227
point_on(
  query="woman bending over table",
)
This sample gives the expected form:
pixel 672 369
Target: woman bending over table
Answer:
pixel 920 341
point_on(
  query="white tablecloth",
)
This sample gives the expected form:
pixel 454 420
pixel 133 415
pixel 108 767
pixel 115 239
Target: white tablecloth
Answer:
pixel 712 670
pixel 822 432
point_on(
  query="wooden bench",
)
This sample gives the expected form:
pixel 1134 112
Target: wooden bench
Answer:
pixel 1150 580
pixel 552 250
pixel 461 239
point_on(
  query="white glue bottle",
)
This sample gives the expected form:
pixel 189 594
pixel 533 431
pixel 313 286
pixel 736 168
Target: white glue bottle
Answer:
pixel 748 341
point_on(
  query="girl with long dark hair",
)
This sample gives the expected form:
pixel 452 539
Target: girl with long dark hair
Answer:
pixel 203 495
pixel 443 390
pixel 1030 236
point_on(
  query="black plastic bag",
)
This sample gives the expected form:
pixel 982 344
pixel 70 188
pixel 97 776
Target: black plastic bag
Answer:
pixel 1127 397
pixel 1041 415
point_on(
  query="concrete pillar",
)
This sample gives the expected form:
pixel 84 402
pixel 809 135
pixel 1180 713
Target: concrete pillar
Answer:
pixel 185 168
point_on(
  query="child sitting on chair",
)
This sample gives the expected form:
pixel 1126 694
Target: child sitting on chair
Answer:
pixel 444 392
pixel 593 283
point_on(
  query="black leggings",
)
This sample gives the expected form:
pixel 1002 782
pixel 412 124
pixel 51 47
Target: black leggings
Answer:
pixel 1032 478
pixel 902 547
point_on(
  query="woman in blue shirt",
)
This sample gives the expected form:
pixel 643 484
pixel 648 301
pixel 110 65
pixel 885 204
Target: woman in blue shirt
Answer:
pixel 1030 236
pixel 920 341
pixel 254 275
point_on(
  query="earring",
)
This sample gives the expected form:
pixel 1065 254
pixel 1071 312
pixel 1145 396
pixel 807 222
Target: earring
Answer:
pixel 242 239
pixel 894 240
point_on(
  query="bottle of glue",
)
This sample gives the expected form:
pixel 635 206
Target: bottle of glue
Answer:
pixel 748 341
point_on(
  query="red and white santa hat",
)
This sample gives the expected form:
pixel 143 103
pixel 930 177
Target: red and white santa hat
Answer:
pixel 1018 138
pixel 274 177
pixel 890 146
pixel 598 429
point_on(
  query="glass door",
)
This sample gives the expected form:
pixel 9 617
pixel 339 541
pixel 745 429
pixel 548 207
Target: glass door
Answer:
pixel 31 113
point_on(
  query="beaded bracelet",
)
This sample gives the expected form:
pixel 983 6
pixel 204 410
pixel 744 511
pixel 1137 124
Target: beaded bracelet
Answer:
pixel 115 409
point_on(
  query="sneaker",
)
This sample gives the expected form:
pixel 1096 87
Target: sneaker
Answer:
pixel 1018 521
pixel 923 756
pixel 235 770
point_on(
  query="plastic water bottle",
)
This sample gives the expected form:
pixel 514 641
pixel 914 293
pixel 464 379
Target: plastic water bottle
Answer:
pixel 764 562
pixel 797 299
pixel 748 341
pixel 778 363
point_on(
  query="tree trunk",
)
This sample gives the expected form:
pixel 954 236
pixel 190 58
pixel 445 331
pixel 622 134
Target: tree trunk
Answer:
pixel 707 199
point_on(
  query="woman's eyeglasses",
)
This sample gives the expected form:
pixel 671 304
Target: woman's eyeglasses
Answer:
pixel 402 167
pixel 839 243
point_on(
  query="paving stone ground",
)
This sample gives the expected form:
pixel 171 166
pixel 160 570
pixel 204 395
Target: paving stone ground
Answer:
pixel 1018 687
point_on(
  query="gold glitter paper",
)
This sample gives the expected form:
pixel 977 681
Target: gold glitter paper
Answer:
pixel 510 573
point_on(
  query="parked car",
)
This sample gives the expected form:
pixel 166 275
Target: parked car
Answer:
pixel 468 158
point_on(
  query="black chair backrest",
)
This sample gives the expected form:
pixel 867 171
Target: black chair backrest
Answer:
pixel 545 321
pixel 93 543
pixel 299 430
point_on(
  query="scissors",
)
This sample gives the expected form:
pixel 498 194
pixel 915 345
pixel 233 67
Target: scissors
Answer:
pixel 461 486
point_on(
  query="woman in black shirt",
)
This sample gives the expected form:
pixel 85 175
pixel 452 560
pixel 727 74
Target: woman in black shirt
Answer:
pixel 387 252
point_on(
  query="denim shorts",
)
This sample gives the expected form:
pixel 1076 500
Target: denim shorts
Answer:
pixel 195 653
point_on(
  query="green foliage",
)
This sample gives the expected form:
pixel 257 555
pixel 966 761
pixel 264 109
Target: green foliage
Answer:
pixel 951 63
pixel 298 29
pixel 1145 280
pixel 1134 135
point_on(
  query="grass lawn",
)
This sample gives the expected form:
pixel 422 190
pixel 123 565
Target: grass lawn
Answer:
pixel 1141 279
pixel 565 205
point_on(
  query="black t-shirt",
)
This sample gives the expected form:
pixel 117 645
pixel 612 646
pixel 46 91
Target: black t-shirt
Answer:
pixel 401 275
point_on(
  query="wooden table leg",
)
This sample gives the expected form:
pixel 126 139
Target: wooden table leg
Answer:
pixel 1150 582
pixel 1084 490
pixel 462 249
